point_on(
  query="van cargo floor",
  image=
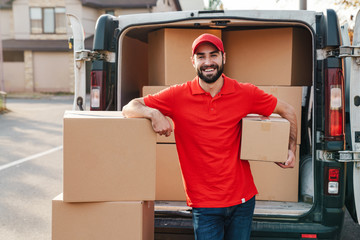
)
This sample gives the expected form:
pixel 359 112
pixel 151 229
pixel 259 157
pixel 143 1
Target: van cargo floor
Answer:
pixel 263 208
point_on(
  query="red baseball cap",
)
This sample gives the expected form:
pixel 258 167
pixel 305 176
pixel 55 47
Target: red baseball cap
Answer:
pixel 208 38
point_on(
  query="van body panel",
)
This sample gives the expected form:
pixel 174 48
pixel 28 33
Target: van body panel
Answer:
pixel 353 203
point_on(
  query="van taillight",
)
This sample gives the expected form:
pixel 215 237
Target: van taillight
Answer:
pixel 97 90
pixel 334 105
pixel 332 177
pixel 305 235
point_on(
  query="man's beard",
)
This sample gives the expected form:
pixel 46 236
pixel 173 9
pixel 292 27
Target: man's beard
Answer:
pixel 211 78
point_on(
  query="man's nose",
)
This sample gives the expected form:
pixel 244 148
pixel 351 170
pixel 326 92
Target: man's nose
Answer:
pixel 207 60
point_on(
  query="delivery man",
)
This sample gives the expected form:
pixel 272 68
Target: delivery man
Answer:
pixel 207 113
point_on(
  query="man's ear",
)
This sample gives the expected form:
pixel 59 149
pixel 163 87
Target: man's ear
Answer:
pixel 224 58
pixel 192 60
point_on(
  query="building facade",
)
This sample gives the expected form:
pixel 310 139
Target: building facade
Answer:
pixel 34 33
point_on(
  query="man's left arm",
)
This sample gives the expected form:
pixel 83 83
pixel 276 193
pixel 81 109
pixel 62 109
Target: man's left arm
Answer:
pixel 287 111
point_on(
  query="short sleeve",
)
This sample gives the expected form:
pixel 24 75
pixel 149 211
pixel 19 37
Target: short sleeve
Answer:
pixel 263 103
pixel 162 101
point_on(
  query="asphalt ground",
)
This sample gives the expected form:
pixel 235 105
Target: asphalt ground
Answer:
pixel 30 164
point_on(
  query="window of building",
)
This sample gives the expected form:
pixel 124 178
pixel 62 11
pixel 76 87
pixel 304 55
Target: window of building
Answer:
pixel 60 20
pixel 47 20
pixel 36 20
pixel 13 56
pixel 110 11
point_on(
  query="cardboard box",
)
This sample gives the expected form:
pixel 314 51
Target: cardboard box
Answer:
pixel 169 183
pixel 275 183
pixel 291 95
pixel 277 56
pixel 152 90
pixel 170 55
pixel 265 138
pixel 133 57
pixel 102 220
pixel 108 157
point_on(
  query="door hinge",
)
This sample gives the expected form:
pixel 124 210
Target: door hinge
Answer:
pixel 348 156
pixel 341 52
pixel 325 155
pixel 87 55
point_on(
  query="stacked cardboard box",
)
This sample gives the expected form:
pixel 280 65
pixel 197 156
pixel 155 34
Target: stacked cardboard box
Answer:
pixel 169 183
pixel 273 56
pixel 291 95
pixel 102 220
pixel 274 183
pixel 109 178
pixel 265 138
pixel 264 142
pixel 169 54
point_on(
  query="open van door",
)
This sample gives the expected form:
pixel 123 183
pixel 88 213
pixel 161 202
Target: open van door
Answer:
pixel 80 56
pixel 352 157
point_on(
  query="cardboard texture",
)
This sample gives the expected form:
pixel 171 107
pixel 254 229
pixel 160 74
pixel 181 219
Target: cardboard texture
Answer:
pixel 133 57
pixel 170 55
pixel 102 220
pixel 265 138
pixel 108 157
pixel 278 56
pixel 169 183
pixel 275 183
pixel 292 96
pixel 152 90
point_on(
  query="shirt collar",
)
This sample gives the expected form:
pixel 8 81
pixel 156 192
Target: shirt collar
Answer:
pixel 227 88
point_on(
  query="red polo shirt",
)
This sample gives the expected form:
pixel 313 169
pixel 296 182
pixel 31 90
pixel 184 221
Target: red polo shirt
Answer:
pixel 207 134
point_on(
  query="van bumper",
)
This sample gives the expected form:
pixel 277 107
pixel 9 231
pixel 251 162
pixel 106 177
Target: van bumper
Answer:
pixel 286 230
pixel 260 230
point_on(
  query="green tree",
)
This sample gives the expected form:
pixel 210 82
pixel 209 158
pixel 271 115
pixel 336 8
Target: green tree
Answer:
pixel 215 5
pixel 354 4
pixel 348 3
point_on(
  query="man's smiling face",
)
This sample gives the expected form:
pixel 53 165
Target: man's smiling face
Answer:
pixel 208 62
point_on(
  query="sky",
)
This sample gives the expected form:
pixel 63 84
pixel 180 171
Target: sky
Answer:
pixel 315 5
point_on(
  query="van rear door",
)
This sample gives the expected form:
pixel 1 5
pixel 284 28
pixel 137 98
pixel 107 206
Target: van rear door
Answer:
pixel 79 63
pixel 353 175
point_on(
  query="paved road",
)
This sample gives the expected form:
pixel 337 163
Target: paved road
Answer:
pixel 27 133
pixel 31 136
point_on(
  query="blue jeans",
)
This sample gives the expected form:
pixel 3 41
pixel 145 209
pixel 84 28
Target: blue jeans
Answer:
pixel 229 223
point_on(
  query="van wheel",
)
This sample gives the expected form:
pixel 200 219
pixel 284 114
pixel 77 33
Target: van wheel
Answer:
pixel 306 175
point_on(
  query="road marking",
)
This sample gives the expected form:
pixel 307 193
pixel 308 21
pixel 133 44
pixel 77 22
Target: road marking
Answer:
pixel 5 166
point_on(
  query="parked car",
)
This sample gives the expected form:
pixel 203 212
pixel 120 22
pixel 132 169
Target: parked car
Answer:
pixel 329 163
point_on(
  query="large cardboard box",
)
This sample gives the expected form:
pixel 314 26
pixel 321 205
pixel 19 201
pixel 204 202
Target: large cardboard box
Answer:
pixel 102 220
pixel 133 58
pixel 108 157
pixel 291 95
pixel 265 138
pixel 170 55
pixel 275 183
pixel 169 183
pixel 152 90
pixel 277 56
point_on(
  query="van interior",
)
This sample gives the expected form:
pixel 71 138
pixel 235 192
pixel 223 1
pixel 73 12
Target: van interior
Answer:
pixel 276 56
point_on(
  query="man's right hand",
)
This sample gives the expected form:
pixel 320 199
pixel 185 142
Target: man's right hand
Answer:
pixel 136 108
pixel 160 123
